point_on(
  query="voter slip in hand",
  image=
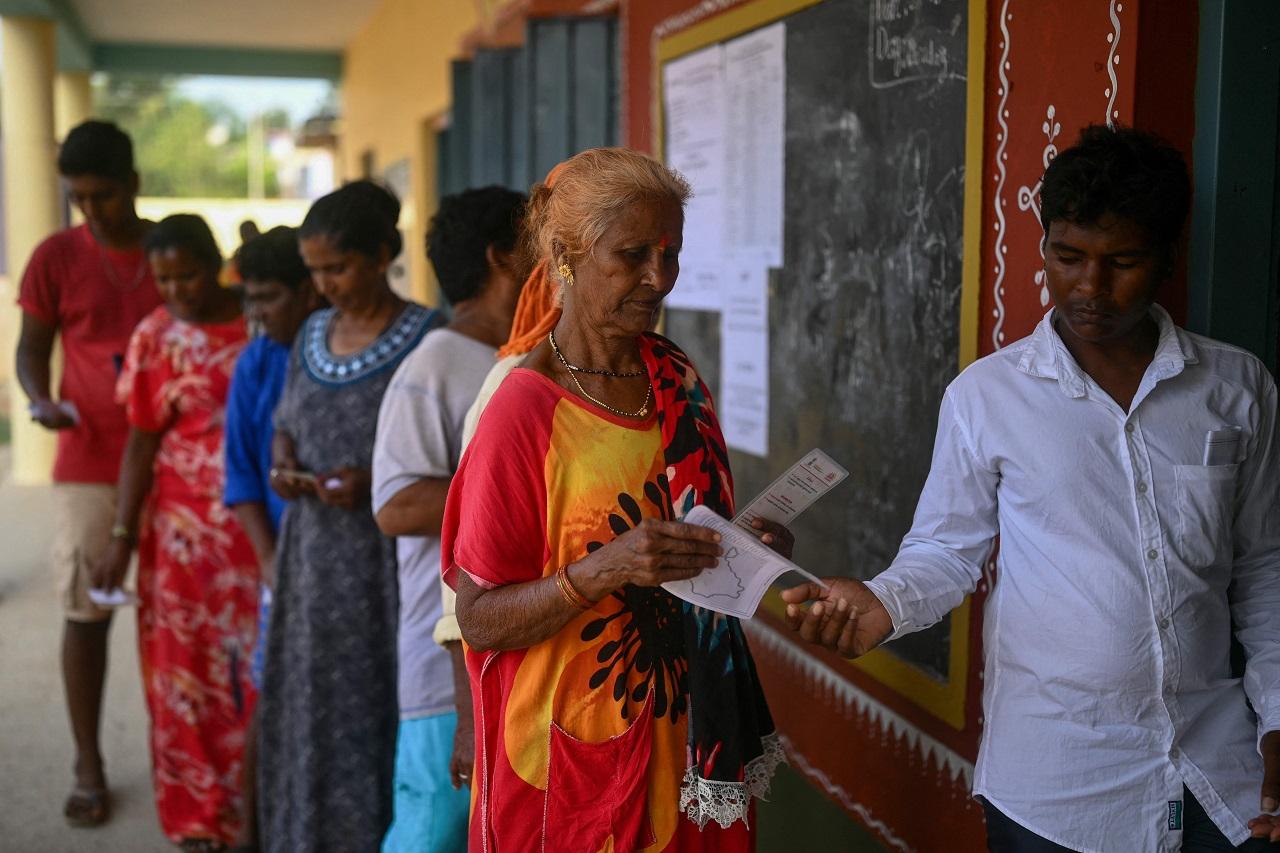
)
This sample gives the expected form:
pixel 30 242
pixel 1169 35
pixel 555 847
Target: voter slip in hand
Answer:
pixel 112 598
pixel 796 490
pixel 746 569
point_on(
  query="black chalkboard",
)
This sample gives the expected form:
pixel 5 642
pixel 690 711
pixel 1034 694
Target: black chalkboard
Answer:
pixel 864 312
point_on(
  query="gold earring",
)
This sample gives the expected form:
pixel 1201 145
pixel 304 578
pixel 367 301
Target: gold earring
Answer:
pixel 566 273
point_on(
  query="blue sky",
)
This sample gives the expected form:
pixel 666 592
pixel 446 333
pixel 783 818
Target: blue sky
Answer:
pixel 248 96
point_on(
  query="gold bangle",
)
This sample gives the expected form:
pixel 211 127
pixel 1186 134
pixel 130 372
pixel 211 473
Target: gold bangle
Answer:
pixel 119 531
pixel 570 592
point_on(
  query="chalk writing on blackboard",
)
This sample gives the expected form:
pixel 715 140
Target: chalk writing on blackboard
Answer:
pixel 914 41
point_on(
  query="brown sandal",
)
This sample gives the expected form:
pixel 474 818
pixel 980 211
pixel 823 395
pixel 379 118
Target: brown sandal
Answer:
pixel 87 806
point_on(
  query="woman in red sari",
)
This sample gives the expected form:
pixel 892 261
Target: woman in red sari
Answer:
pixel 197 573
pixel 609 715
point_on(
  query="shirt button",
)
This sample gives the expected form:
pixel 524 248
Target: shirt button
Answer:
pixel 1142 488
pixel 1164 623
pixel 1128 427
pixel 1151 555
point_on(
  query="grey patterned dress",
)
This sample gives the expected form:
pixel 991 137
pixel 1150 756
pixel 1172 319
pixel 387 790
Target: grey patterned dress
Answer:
pixel 328 702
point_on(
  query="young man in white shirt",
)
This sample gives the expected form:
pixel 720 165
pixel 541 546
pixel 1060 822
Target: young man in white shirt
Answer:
pixel 1132 472
pixel 472 244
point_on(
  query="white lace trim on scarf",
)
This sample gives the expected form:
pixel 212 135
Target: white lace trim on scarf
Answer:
pixel 704 800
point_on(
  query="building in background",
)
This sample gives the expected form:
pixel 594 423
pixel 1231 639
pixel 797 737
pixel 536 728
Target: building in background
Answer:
pixel 306 160
pixel 907 242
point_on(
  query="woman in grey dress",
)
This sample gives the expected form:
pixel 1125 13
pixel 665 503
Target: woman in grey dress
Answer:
pixel 328 700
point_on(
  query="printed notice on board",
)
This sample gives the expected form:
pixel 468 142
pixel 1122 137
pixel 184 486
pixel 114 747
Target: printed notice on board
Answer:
pixel 744 356
pixel 693 97
pixel 755 75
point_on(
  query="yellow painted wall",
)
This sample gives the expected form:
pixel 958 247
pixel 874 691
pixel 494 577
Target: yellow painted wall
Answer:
pixel 396 80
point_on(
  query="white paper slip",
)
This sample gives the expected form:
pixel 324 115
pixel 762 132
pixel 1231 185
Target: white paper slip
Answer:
pixel 745 571
pixel 795 491
pixel 1221 446
pixel 110 598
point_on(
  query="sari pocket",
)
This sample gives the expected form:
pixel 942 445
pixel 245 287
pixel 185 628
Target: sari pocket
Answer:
pixel 597 792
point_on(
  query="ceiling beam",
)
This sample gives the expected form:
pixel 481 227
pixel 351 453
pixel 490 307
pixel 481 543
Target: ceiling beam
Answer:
pixel 201 59
pixel 75 48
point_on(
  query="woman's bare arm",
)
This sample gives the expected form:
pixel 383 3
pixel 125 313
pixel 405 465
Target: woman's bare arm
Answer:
pixel 132 489
pixel 521 615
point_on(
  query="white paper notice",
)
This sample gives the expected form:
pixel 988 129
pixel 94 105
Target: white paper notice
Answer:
pixel 795 491
pixel 740 579
pixel 755 141
pixel 693 95
pixel 744 355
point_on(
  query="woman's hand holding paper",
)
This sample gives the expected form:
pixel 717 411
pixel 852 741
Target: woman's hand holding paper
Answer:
pixel 776 536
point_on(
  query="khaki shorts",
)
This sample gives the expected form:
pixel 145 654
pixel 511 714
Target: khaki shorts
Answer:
pixel 84 514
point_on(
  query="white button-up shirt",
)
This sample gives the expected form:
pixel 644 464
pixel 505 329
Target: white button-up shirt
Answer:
pixel 1123 562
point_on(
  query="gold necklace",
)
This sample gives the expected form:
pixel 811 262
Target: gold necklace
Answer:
pixel 573 368
pixel 639 413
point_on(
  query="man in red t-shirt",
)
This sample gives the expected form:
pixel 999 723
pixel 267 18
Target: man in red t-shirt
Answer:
pixel 90 285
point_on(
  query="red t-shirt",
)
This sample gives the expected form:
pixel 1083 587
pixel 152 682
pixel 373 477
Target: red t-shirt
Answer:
pixel 95 297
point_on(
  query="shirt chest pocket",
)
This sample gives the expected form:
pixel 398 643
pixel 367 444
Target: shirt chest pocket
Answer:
pixel 1206 494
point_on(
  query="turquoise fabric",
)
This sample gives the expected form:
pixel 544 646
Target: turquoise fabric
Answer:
pixel 430 816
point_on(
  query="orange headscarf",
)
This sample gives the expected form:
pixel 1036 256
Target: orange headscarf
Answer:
pixel 537 312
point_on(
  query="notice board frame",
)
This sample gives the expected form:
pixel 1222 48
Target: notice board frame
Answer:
pixel 945 700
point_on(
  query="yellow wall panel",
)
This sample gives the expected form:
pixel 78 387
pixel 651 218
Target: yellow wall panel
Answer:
pixel 396 80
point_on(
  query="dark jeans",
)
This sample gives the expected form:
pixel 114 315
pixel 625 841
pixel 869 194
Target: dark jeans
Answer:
pixel 1199 834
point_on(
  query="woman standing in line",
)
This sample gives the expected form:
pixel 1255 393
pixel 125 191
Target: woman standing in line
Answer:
pixel 609 714
pixel 197 573
pixel 329 712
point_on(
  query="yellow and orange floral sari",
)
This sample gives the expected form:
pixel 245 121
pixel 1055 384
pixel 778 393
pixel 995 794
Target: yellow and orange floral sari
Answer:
pixel 640 725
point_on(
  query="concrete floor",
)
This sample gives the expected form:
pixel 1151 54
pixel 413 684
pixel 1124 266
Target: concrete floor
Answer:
pixel 35 739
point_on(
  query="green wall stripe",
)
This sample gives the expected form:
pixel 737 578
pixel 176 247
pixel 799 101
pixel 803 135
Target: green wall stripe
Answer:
pixel 197 59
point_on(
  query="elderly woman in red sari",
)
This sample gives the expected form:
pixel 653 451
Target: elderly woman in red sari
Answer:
pixel 609 714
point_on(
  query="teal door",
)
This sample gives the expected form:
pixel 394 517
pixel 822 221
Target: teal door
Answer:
pixel 1234 285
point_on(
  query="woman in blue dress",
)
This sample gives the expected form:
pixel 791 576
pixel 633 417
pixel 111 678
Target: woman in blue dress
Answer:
pixel 328 703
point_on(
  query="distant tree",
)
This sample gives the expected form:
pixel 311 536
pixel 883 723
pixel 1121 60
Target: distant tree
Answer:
pixel 184 148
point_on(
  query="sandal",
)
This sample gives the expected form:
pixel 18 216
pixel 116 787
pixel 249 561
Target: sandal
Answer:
pixel 87 806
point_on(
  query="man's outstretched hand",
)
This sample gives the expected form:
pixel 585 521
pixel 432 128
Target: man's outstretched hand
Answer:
pixel 1268 825
pixel 846 617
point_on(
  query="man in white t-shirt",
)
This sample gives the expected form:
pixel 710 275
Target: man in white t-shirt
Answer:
pixel 472 244
pixel 1132 472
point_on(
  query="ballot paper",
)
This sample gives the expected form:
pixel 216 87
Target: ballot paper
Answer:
pixel 795 491
pixel 744 573
pixel 111 598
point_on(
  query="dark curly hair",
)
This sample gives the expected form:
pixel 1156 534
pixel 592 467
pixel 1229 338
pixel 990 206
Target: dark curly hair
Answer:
pixel 273 256
pixel 465 226
pixel 98 148
pixel 1121 172
pixel 359 217
pixel 189 232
